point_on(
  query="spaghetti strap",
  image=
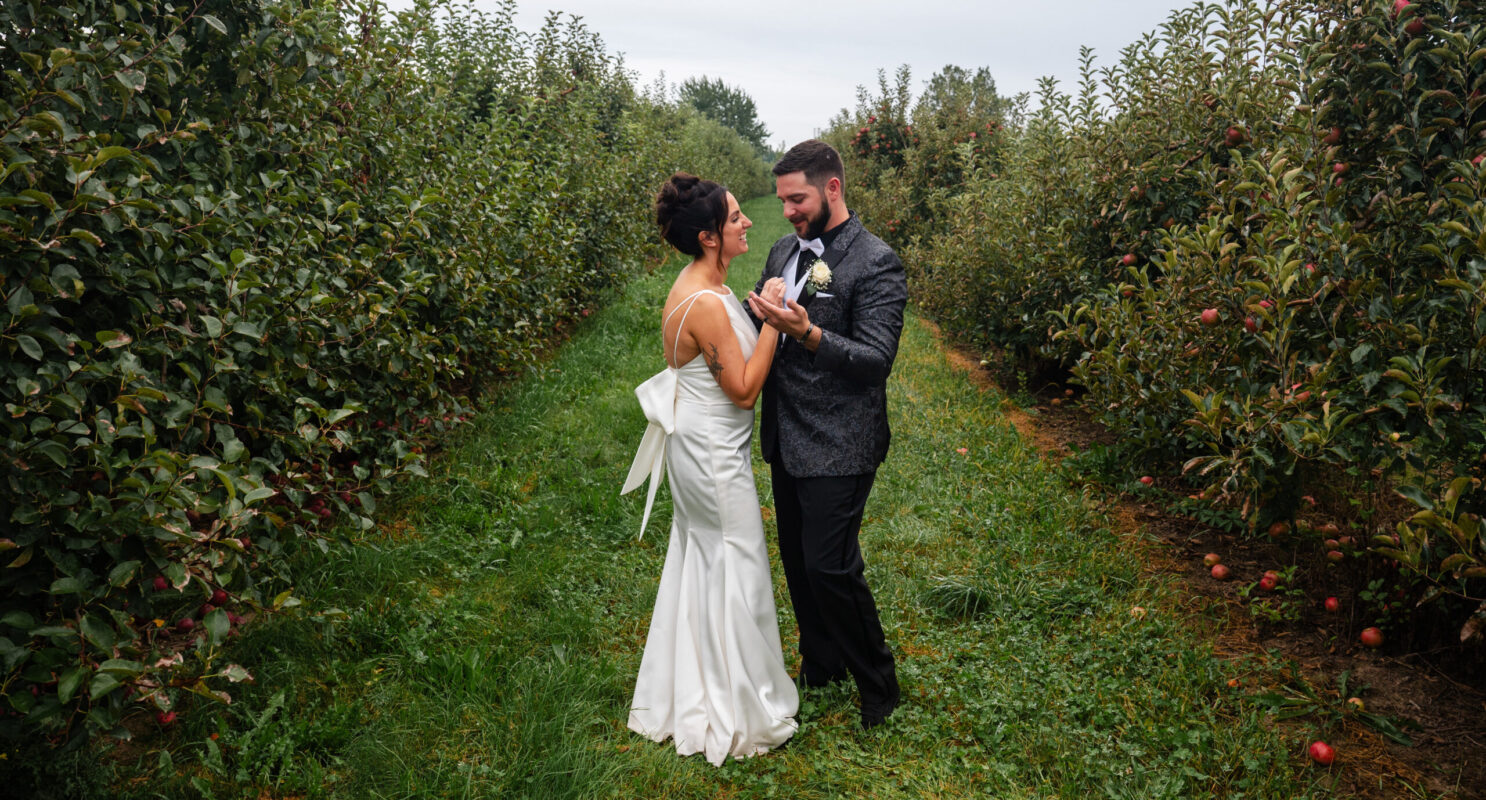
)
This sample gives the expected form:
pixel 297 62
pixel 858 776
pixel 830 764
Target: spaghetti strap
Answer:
pixel 689 301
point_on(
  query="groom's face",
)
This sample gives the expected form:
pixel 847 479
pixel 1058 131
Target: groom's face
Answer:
pixel 804 205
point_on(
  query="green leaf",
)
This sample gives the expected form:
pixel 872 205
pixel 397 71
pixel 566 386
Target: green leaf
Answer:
pixel 99 633
pixel 121 667
pixel 261 493
pixel 67 686
pixel 122 573
pixel 214 22
pixel 176 574
pixel 217 624
pixel 102 684
pixel 67 586
pixel 29 346
pixel 18 619
pixel 108 154
pixel 236 673
pixel 1416 495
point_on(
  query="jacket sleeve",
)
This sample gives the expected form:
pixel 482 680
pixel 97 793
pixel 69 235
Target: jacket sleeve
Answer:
pixel 865 354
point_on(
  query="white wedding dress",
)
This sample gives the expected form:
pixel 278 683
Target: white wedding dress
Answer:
pixel 712 676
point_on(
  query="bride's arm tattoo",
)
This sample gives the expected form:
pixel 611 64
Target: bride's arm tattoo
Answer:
pixel 714 362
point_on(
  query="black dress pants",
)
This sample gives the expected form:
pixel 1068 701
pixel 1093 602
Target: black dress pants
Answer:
pixel 840 633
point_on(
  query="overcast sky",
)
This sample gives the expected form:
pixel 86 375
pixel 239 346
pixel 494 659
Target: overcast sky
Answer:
pixel 801 60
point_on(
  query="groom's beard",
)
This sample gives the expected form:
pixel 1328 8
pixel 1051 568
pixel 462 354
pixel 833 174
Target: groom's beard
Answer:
pixel 817 223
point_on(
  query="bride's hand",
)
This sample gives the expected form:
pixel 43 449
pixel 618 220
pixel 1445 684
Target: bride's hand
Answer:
pixel 773 292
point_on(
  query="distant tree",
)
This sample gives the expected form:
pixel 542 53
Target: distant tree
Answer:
pixel 730 106
pixel 956 92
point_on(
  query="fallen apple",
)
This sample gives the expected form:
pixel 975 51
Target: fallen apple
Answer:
pixel 1333 605
pixel 1371 637
pixel 1147 480
pixel 1322 753
pixel 1211 559
pixel 1221 572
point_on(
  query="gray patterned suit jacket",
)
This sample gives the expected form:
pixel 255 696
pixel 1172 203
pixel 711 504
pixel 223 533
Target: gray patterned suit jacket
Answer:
pixel 825 413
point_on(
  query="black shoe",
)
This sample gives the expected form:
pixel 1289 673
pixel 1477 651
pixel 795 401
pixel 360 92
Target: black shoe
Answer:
pixel 875 715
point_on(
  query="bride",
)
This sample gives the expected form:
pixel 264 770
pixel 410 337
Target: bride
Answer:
pixel 712 676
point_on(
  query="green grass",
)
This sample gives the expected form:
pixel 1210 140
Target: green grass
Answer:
pixel 491 632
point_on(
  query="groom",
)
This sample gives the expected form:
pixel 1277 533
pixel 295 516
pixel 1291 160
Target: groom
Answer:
pixel 824 428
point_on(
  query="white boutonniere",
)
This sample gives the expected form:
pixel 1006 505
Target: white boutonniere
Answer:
pixel 820 277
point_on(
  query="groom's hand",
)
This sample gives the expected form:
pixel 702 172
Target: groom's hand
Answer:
pixel 792 319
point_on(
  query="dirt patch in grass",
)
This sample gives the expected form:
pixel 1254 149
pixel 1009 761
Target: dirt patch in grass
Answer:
pixel 1441 690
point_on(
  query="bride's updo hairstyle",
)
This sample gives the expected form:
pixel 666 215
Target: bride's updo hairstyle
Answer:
pixel 686 207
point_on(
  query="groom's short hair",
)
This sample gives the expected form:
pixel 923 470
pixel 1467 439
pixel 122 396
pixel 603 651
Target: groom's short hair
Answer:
pixel 819 161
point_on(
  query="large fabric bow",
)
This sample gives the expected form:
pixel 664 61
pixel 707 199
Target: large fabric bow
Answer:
pixel 658 401
pixel 813 245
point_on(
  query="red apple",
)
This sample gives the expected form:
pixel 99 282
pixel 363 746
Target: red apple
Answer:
pixel 1128 259
pixel 219 597
pixel 1322 753
pixel 1272 575
pixel 1335 555
pixel 1250 324
pixel 1221 572
pixel 1415 27
pixel 1333 605
pixel 161 584
pixel 1399 6
pixel 1234 136
pixel 1332 137
pixel 1278 529
pixel 207 608
pixel 165 717
pixel 1211 560
pixel 1147 480
pixel 185 624
pixel 1267 583
pixel 1371 637
pixel 1209 317
pixel 1338 168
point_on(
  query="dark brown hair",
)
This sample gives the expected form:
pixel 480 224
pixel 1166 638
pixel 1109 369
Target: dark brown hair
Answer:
pixel 688 205
pixel 819 161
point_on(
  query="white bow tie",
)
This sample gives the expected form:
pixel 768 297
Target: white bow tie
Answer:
pixel 812 245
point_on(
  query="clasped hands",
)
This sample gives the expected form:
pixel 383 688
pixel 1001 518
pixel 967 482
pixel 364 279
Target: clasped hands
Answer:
pixel 785 316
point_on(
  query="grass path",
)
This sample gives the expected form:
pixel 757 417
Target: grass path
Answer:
pixel 486 644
